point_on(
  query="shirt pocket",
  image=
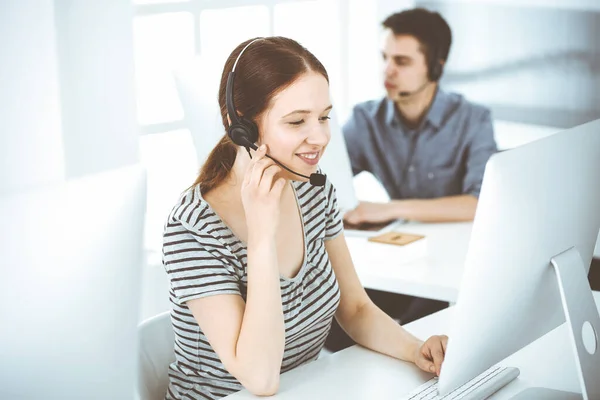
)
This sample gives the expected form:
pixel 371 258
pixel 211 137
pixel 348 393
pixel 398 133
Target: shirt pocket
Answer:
pixel 443 181
pixel 446 157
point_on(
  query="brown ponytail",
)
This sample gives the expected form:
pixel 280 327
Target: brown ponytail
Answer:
pixel 267 67
pixel 217 166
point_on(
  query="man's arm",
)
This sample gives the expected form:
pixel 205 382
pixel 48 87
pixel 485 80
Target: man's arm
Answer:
pixel 443 209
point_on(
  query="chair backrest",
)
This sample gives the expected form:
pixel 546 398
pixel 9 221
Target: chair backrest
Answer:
pixel 155 353
pixel 197 83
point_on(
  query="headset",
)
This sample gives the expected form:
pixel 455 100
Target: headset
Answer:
pixel 435 68
pixel 244 132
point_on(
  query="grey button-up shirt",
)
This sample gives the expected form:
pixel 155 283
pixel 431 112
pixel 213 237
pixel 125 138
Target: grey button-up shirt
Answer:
pixel 445 156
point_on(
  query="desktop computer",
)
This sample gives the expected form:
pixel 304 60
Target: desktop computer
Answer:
pixel 526 269
pixel 335 163
pixel 72 256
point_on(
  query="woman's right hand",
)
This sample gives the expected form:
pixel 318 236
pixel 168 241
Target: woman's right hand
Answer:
pixel 261 194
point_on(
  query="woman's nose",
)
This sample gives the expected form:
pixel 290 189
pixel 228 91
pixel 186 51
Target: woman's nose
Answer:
pixel 320 134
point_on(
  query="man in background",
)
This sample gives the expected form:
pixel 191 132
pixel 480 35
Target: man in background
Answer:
pixel 427 147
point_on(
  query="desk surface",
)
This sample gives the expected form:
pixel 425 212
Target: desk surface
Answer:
pixel 358 373
pixel 435 276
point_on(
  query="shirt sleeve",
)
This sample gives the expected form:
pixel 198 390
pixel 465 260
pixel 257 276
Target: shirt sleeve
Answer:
pixel 194 270
pixel 333 225
pixel 482 146
pixel 356 132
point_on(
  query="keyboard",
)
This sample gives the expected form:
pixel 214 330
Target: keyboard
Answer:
pixel 478 388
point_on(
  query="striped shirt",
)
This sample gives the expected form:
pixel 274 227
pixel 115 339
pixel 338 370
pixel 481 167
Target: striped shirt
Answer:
pixel 203 258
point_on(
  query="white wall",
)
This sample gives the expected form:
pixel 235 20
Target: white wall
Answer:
pixel 364 49
pixel 31 151
pixel 67 100
pixel 95 48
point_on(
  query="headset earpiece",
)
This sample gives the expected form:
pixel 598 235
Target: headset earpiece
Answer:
pixel 436 65
pixel 435 70
pixel 242 132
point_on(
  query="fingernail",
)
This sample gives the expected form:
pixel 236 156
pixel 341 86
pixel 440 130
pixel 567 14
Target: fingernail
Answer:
pixel 262 147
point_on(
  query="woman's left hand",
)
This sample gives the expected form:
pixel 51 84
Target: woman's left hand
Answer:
pixel 430 355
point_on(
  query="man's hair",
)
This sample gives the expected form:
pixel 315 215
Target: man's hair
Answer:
pixel 428 27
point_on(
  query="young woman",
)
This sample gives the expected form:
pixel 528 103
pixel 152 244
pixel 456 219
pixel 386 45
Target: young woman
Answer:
pixel 257 260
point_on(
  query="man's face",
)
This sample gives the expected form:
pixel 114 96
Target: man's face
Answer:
pixel 404 65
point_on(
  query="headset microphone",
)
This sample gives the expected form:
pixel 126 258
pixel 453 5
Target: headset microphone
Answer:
pixel 407 94
pixel 315 179
pixel 244 132
pixel 434 72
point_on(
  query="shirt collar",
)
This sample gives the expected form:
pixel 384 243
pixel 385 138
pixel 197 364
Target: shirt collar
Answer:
pixel 438 109
pixel 435 115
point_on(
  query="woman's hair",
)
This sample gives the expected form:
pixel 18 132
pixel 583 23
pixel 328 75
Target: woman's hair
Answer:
pixel 267 67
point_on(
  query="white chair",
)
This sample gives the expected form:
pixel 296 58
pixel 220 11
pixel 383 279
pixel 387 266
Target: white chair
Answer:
pixel 155 353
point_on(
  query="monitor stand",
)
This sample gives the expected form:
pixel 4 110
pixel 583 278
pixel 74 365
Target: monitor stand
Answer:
pixel 583 323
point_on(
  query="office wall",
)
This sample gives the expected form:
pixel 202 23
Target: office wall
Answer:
pixel 95 48
pixel 531 62
pixel 31 151
pixel 67 105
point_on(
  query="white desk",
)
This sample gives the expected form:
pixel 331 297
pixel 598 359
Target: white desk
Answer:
pixel 358 373
pixel 435 276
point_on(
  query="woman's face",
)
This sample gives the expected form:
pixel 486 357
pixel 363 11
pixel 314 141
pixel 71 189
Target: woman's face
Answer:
pixel 296 125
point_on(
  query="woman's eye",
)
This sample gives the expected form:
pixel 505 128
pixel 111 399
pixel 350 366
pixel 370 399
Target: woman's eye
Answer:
pixel 323 119
pixel 296 122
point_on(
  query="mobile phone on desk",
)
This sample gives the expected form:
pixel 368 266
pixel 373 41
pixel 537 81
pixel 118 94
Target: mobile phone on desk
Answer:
pixel 368 229
pixel 367 226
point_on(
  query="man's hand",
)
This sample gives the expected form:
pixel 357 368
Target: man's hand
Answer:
pixel 370 213
pixel 430 355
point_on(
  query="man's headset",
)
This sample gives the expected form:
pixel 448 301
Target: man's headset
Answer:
pixel 435 68
pixel 244 132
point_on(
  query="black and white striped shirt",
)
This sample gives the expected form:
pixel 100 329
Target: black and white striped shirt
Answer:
pixel 203 257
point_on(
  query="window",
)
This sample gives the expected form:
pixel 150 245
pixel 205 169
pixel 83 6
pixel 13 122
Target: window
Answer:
pixel 161 42
pixel 221 30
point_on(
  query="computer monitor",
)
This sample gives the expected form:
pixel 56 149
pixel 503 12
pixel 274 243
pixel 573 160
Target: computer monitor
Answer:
pixel 336 164
pixel 197 82
pixel 539 206
pixel 72 257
